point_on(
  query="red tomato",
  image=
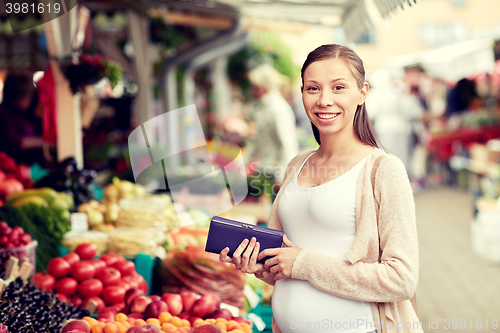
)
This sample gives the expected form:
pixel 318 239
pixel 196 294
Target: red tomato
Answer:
pixel 86 251
pixel 66 286
pixel 111 258
pixel 100 303
pixel 126 267
pixel 124 284
pixel 92 287
pixel 98 263
pixel 72 258
pixel 143 285
pixel 113 294
pixel 132 281
pixel 83 270
pixel 76 300
pixel 62 297
pixel 58 267
pixel 109 276
pixel 43 281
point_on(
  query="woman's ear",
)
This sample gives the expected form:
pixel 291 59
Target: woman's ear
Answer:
pixel 301 89
pixel 363 93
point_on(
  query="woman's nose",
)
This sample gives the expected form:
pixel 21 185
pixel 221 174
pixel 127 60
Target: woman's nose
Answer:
pixel 325 100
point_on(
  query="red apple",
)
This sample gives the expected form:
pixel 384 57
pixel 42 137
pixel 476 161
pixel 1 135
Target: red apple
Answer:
pixel 76 300
pixel 76 326
pixel 221 313
pixel 205 305
pixel 131 294
pixel 119 305
pixel 139 304
pixel 184 315
pixel 155 298
pixel 241 320
pixel 208 328
pixel 174 302
pixel 188 299
pixel 192 319
pixel 145 329
pixel 135 315
pixel 125 310
pixel 154 309
pixel 110 309
pixel 107 316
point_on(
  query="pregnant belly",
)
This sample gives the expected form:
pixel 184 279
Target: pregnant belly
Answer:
pixel 298 307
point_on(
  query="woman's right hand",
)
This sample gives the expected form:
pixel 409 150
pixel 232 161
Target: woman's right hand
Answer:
pixel 243 259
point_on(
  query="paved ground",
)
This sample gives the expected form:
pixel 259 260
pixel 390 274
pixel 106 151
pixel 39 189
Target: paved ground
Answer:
pixel 456 288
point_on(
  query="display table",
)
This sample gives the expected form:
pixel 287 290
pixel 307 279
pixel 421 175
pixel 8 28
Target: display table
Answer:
pixel 440 146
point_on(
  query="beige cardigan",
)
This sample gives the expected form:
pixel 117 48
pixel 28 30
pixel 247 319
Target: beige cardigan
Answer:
pixel 388 231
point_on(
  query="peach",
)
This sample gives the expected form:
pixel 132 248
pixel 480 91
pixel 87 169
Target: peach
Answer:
pixel 167 327
pixel 76 325
pixel 155 308
pixel 97 328
pixel 174 302
pixel 139 304
pixel 110 328
pixel 120 317
pixel 165 317
pixel 208 328
pixel 139 322
pixel 153 321
pixel 176 321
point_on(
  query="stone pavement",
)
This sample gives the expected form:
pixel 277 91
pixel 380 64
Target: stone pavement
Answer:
pixel 457 291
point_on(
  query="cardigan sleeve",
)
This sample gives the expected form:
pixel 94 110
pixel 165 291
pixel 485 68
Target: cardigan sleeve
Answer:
pixel 395 276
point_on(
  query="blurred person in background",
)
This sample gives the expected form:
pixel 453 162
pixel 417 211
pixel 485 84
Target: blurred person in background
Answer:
pixel 275 142
pixel 20 123
pixel 392 112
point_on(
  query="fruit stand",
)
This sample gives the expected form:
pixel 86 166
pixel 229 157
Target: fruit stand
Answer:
pixel 118 263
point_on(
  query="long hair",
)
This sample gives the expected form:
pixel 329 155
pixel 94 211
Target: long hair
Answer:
pixel 362 124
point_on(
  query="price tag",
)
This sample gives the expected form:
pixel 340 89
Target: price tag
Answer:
pixel 79 222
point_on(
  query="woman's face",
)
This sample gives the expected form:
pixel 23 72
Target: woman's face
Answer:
pixel 331 96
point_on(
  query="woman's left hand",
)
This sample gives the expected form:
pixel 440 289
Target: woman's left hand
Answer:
pixel 282 259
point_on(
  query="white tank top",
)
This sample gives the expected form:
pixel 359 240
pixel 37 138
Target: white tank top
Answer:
pixel 322 220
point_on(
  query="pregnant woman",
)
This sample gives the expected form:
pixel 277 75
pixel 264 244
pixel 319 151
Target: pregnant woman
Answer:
pixel 348 208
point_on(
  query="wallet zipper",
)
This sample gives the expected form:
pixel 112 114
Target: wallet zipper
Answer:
pixel 242 226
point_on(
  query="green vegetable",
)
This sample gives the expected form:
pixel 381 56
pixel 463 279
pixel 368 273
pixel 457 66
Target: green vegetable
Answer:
pixel 45 224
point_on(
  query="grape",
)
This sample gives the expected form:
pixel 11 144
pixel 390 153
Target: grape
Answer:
pixel 25 308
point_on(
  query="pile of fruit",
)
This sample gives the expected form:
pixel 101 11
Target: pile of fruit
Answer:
pixel 13 237
pixel 24 308
pixel 176 313
pixel 13 178
pixel 45 196
pixel 185 310
pixel 78 277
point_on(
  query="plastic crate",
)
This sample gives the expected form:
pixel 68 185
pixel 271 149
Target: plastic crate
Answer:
pixel 266 313
pixel 27 251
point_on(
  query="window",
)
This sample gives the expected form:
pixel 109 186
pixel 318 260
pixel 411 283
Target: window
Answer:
pixel 442 33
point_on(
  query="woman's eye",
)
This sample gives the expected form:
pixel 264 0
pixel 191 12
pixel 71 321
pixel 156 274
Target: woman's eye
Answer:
pixel 338 87
pixel 312 88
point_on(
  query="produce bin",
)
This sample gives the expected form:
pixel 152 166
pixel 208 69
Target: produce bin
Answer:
pixel 27 251
pixel 265 312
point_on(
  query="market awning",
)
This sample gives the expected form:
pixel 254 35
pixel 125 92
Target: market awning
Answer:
pixel 452 62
